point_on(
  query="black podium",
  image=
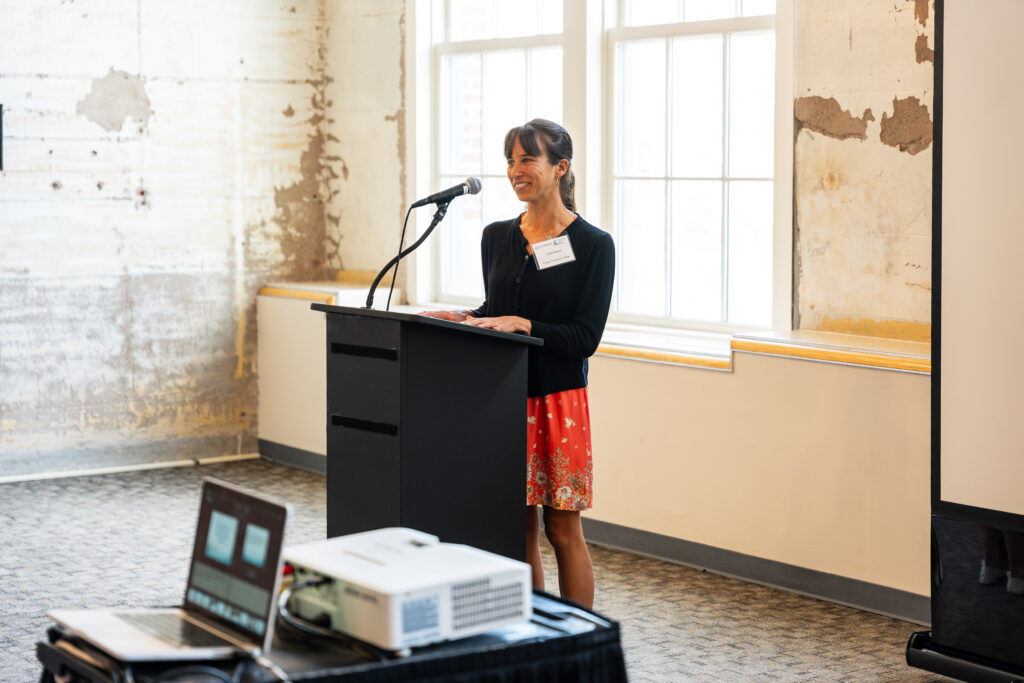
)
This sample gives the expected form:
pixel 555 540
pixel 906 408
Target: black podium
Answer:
pixel 426 428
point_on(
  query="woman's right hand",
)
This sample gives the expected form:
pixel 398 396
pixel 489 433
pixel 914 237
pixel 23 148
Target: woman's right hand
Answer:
pixel 453 316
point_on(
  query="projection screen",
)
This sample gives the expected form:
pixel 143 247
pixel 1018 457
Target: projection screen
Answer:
pixel 981 290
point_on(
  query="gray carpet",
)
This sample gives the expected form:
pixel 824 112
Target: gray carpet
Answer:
pixel 125 539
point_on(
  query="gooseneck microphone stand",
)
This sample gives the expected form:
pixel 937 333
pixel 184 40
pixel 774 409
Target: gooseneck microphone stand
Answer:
pixel 442 209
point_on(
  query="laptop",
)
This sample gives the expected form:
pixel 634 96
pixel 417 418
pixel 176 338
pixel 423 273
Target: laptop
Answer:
pixel 230 599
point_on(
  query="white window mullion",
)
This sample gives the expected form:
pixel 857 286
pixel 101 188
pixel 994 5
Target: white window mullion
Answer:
pixel 614 201
pixel 527 63
pixel 435 166
pixel 668 171
pixel 725 183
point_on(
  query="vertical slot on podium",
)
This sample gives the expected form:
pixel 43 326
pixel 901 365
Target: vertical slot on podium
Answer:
pixel 364 425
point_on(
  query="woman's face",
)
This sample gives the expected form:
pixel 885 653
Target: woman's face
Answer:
pixel 534 178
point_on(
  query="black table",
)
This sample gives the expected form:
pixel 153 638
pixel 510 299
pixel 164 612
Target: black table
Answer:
pixel 562 643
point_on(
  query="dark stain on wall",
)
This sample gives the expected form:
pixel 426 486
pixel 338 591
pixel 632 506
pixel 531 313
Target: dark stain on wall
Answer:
pixel 909 129
pixel 924 53
pixel 825 116
pixel 301 207
pixel 921 8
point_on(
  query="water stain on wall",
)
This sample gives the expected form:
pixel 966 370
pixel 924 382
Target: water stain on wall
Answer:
pixel 114 98
pixel 825 116
pixel 909 129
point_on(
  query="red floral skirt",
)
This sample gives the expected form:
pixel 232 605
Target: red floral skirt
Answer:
pixel 559 470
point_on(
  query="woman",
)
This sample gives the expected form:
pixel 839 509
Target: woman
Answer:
pixel 534 290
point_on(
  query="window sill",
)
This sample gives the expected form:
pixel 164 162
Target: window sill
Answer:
pixel 844 349
pixel 714 351
pixel 663 345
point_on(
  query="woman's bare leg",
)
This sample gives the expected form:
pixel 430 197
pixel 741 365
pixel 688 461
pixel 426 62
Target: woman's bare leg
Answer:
pixel 533 546
pixel 575 571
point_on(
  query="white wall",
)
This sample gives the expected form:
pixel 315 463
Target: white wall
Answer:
pixel 816 465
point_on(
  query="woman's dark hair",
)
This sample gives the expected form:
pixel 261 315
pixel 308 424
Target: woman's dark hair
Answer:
pixel 558 145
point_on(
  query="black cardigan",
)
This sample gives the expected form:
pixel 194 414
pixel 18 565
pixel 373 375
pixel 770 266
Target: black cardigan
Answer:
pixel 567 305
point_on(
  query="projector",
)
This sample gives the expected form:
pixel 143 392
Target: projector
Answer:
pixel 398 588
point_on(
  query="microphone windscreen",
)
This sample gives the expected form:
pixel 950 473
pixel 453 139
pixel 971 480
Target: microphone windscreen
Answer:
pixel 474 185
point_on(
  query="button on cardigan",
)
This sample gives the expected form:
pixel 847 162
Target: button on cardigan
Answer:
pixel 567 305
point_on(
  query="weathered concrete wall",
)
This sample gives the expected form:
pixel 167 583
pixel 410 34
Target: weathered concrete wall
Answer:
pixel 862 166
pixel 365 48
pixel 163 160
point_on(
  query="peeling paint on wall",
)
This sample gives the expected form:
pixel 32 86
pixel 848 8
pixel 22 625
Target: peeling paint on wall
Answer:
pixel 825 116
pixel 127 325
pixel 923 52
pixel 300 215
pixel 909 129
pixel 921 8
pixel 114 99
pixel 862 212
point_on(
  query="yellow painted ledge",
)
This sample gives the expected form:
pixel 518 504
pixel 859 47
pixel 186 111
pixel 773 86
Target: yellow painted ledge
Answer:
pixel 710 362
pixel 823 347
pixel 323 297
pixel 827 347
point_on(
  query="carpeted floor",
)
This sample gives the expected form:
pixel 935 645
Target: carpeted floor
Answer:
pixel 125 539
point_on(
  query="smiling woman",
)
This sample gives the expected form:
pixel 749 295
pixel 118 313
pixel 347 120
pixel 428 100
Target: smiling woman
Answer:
pixel 548 273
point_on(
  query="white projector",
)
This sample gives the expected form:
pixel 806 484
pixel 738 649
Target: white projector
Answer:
pixel 399 588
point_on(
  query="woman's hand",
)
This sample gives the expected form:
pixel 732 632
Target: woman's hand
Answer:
pixel 454 316
pixel 505 323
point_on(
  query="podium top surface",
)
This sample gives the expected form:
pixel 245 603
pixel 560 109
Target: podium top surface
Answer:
pixel 425 320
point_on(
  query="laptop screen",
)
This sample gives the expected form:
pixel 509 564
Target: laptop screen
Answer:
pixel 236 559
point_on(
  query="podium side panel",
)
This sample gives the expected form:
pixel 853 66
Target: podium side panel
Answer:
pixel 464 439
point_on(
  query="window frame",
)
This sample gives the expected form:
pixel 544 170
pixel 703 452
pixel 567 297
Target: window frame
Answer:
pixel 615 37
pixel 590 28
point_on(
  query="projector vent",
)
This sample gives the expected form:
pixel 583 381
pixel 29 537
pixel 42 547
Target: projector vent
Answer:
pixel 476 602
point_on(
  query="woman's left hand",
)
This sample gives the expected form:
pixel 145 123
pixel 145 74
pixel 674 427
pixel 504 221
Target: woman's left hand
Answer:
pixel 505 323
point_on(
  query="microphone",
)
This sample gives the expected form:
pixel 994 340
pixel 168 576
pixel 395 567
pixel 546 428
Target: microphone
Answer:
pixel 470 186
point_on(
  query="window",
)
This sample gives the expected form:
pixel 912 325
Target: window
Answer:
pixel 692 162
pixel 684 143
pixel 499 65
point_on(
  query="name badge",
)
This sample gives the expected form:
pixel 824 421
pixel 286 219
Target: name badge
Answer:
pixel 553 252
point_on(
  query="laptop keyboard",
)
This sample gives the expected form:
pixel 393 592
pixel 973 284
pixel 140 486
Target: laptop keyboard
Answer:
pixel 172 629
